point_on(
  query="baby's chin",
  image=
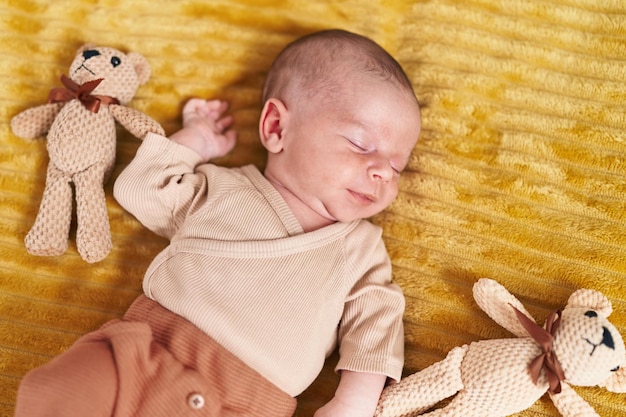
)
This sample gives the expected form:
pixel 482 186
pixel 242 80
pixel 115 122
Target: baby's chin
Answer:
pixel 350 217
pixel 347 213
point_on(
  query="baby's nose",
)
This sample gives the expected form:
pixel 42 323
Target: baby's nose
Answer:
pixel 381 171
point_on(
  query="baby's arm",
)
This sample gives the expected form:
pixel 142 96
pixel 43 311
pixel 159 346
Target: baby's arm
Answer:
pixel 357 395
pixel 370 335
pixel 161 181
pixel 206 129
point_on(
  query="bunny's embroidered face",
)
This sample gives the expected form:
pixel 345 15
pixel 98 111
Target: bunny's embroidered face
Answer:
pixel 589 347
pixel 122 73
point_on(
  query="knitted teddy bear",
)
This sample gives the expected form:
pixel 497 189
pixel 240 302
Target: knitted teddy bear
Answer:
pixel 81 141
pixel 501 377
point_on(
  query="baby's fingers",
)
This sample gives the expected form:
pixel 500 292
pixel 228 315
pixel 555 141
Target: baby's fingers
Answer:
pixel 224 123
pixel 194 105
pixel 224 143
pixel 212 109
pixel 216 108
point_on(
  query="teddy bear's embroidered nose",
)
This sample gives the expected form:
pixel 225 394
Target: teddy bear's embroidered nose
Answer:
pixel 90 53
pixel 607 339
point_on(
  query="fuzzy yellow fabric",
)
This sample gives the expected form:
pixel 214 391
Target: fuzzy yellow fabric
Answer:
pixel 519 174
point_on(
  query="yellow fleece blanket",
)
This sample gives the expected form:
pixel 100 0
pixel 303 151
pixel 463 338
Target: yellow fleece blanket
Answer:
pixel 519 174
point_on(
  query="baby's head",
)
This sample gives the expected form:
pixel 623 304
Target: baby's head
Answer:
pixel 340 120
pixel 319 63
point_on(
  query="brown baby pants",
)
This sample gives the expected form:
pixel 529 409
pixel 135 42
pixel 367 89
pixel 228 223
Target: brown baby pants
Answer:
pixel 151 363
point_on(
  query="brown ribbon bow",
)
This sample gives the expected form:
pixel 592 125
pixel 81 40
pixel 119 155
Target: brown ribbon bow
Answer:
pixel 80 92
pixel 547 360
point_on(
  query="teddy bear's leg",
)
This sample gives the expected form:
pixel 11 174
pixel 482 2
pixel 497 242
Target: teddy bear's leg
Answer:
pixel 48 235
pixel 461 406
pixel 418 392
pixel 93 236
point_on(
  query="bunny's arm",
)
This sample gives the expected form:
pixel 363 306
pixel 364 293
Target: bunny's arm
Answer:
pixel 36 121
pixel 570 404
pixel 136 122
pixel 497 302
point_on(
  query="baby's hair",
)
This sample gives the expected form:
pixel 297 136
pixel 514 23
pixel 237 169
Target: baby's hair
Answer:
pixel 319 61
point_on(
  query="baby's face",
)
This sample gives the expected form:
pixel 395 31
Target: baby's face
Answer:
pixel 343 155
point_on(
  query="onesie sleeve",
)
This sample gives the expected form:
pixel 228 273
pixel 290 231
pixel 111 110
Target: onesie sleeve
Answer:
pixel 159 184
pixel 371 332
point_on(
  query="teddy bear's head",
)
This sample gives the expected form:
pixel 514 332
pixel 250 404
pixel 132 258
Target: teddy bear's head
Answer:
pixel 122 73
pixel 589 347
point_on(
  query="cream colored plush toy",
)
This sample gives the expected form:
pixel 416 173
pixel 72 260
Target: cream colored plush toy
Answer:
pixel 81 140
pixel 500 377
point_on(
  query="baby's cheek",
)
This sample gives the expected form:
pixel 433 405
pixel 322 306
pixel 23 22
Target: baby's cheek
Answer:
pixel 392 191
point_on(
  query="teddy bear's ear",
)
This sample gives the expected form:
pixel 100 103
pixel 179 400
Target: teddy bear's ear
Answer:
pixel 142 67
pixel 85 47
pixel 591 299
pixel 617 381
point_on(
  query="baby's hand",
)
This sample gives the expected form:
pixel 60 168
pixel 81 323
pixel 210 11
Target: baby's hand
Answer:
pixel 356 396
pixel 206 129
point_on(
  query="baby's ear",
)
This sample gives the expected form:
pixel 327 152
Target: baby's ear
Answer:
pixel 272 123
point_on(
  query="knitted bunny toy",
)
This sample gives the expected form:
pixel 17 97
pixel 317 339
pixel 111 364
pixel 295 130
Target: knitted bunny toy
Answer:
pixel 501 377
pixel 80 124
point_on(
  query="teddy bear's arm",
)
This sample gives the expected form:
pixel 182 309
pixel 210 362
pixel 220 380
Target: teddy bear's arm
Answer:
pixel 570 404
pixel 136 122
pixel 617 381
pixel 35 122
pixel 498 303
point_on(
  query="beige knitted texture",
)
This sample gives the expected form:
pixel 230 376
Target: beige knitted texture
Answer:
pixel 591 299
pixel 588 347
pixel 491 377
pixel 80 139
pixel 497 302
pixel 135 122
pixel 422 390
pixel 35 122
pixel 488 377
pixel 569 403
pixel 82 149
pixel 48 236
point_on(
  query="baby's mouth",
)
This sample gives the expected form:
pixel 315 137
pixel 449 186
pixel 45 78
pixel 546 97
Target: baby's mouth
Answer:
pixel 361 198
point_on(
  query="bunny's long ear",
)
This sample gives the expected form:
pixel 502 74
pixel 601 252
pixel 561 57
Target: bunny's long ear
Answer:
pixel 498 303
pixel 617 381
